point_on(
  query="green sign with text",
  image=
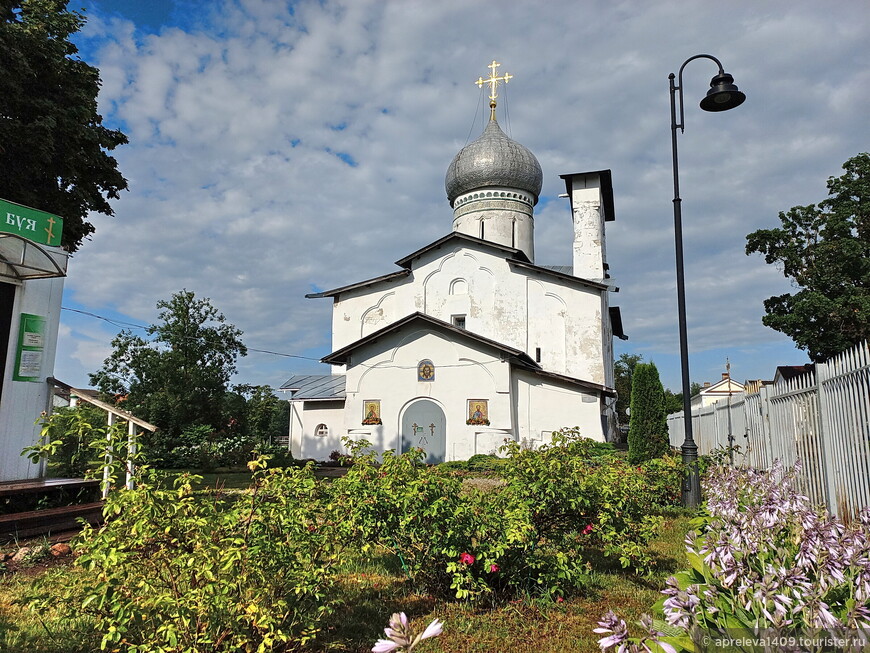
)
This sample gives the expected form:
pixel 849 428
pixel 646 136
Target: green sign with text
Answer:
pixel 33 224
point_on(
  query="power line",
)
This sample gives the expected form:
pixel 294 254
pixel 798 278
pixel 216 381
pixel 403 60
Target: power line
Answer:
pixel 122 324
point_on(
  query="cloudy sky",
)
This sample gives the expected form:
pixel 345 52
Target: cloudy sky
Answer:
pixel 280 148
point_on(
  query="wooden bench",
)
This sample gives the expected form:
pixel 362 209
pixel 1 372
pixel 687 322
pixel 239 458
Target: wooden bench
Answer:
pixel 50 520
pixel 13 488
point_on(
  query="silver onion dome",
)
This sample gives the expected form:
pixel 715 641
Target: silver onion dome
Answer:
pixel 493 160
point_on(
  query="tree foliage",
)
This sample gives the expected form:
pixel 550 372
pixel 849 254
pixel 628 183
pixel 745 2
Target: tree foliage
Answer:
pixel 623 370
pixel 825 250
pixel 178 378
pixel 648 426
pixel 53 145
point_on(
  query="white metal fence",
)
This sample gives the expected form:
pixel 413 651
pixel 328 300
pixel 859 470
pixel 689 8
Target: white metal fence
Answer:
pixel 821 419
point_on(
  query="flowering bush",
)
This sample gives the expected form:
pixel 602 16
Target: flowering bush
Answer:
pixel 176 572
pixel 526 537
pixel 765 558
pixel 565 491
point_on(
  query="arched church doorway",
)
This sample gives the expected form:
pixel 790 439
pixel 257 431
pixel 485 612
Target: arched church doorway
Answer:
pixel 423 425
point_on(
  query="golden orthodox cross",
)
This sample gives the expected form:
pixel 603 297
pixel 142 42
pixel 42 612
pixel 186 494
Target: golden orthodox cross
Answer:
pixel 49 231
pixel 493 82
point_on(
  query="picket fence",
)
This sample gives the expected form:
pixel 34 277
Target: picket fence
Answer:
pixel 820 418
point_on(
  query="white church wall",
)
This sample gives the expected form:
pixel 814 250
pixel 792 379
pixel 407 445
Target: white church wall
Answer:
pixel 565 321
pixel 524 310
pixel 544 407
pixel 387 371
pixel 24 401
pixel 317 428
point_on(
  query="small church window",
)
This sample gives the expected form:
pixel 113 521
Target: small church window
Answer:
pixel 321 431
pixel 537 354
pixel 459 321
pixel 426 370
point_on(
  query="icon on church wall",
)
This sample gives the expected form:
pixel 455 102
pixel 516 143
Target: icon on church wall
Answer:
pixel 372 412
pixel 426 370
pixel 478 412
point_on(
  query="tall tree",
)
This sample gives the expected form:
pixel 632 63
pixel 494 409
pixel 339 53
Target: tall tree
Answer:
pixel 825 250
pixel 178 378
pixel 53 145
pixel 623 369
pixel 648 426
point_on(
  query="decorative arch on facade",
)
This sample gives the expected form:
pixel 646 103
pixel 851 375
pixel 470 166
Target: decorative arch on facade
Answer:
pixel 374 317
pixel 459 287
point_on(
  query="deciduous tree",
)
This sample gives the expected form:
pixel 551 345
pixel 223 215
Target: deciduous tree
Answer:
pixel 53 144
pixel 825 250
pixel 179 377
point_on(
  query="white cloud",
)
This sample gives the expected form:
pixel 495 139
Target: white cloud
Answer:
pixel 238 129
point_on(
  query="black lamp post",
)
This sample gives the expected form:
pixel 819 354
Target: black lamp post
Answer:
pixel 723 95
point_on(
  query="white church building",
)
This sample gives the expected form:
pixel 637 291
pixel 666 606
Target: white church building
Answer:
pixel 471 342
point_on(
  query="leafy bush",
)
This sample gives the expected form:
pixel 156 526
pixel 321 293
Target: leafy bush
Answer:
pixel 178 572
pixel 663 479
pixel 565 490
pixel 480 463
pixel 65 440
pixel 278 455
pixel 524 538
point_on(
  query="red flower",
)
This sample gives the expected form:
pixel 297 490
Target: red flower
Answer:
pixel 559 599
pixel 588 529
pixel 466 558
pixel 494 569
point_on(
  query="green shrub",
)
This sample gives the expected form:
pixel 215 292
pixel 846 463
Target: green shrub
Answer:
pixel 65 440
pixel 663 479
pixel 603 500
pixel 525 538
pixel 178 572
pixel 648 425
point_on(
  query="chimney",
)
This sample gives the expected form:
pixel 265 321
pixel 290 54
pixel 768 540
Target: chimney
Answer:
pixel 726 375
pixel 706 384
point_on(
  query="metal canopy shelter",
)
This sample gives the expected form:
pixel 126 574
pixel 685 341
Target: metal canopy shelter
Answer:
pixel 22 259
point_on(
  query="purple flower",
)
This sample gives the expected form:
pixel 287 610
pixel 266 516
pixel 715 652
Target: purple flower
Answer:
pixel 611 624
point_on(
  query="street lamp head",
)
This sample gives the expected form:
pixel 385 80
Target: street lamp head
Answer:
pixel 723 94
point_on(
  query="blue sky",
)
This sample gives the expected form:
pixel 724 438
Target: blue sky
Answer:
pixel 277 148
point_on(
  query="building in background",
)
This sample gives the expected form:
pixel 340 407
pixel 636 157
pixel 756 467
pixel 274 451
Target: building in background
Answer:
pixel 471 342
pixel 32 271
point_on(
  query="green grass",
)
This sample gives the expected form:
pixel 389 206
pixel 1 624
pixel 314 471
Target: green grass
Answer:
pixel 373 587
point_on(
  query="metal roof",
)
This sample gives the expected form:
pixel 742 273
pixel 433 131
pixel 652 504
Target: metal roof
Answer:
pixel 315 386
pixel 456 235
pixel 340 356
pixel 564 269
pixel 548 269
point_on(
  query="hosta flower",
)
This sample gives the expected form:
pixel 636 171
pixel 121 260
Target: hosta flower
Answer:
pixel 400 636
pixel 613 625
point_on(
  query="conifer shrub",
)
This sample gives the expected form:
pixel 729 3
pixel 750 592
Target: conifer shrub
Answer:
pixel 648 425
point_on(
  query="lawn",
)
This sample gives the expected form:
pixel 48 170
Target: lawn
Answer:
pixel 374 587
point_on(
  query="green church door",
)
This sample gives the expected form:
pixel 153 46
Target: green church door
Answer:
pixel 423 425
